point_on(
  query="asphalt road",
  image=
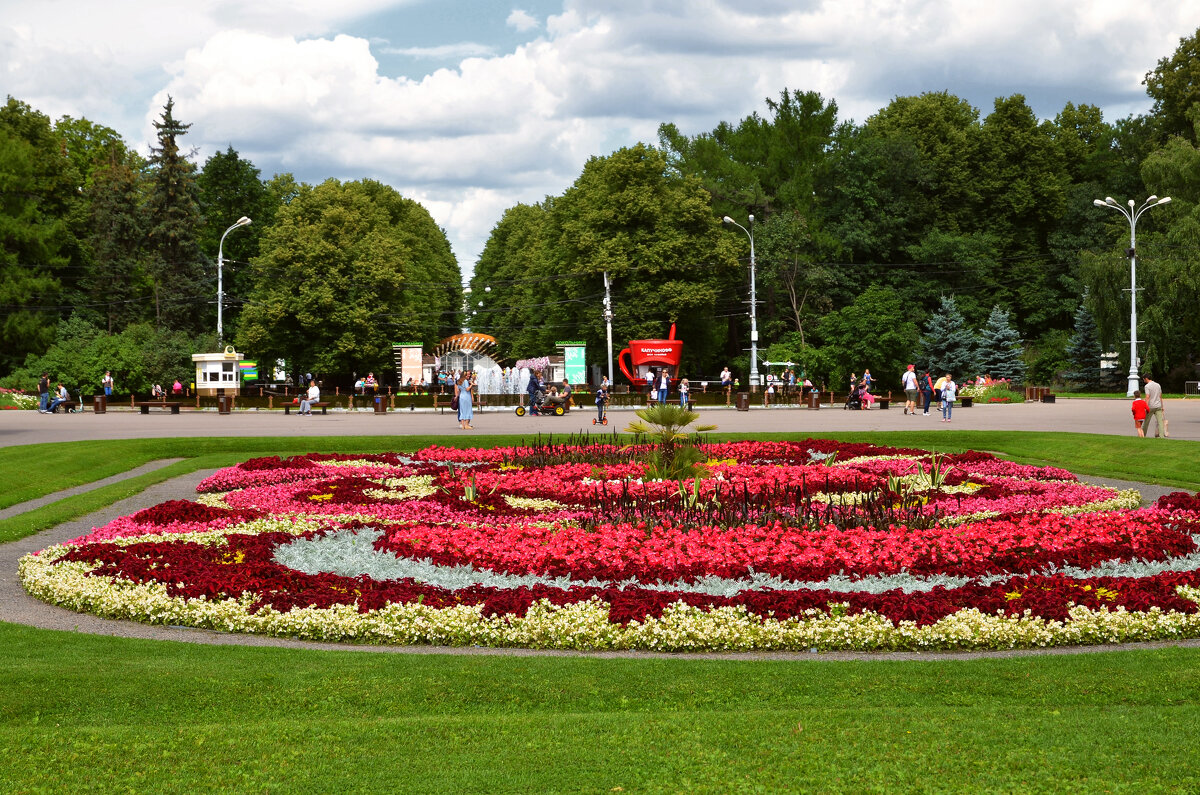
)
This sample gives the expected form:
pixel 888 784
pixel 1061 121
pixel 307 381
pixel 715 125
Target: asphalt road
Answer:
pixel 1078 415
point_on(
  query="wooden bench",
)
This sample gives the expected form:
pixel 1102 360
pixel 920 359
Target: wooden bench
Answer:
pixel 68 406
pixel 320 404
pixel 146 405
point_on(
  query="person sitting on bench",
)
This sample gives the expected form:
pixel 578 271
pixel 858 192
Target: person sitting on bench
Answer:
pixel 314 395
pixel 60 397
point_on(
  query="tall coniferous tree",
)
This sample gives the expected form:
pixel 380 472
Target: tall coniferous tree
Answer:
pixel 948 343
pixel 115 282
pixel 999 351
pixel 1084 352
pixel 177 268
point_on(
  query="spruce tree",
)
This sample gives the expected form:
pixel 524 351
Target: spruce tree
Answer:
pixel 1084 352
pixel 999 351
pixel 948 344
pixel 182 294
pixel 114 284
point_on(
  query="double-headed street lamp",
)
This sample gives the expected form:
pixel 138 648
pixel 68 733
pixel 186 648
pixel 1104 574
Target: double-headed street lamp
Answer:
pixel 753 303
pixel 243 221
pixel 1132 215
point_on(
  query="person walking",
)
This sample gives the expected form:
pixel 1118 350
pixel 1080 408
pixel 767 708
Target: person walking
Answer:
pixel 44 394
pixel 926 383
pixel 683 394
pixel 664 385
pixel 727 383
pixel 1154 409
pixel 911 390
pixel 1140 409
pixel 949 394
pixel 462 390
pixel 533 388
pixel 107 383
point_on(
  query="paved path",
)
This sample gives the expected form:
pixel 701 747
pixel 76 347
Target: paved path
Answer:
pixel 1080 415
pixel 30 505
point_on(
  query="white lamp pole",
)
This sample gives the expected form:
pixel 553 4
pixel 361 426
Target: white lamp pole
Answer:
pixel 753 304
pixel 608 316
pixel 1132 215
pixel 243 221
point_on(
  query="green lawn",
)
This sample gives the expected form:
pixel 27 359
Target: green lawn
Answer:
pixel 79 712
pixel 83 713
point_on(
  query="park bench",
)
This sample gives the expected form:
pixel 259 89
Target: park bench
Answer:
pixel 320 404
pixel 67 406
pixel 146 405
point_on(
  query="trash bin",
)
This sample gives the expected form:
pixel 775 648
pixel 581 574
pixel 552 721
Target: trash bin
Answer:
pixel 743 401
pixel 224 404
pixel 380 404
pixel 100 403
pixel 813 399
pixel 1048 397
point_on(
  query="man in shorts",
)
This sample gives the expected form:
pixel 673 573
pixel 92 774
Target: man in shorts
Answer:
pixel 911 390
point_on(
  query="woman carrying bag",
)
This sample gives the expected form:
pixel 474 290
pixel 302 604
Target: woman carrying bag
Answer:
pixel 462 395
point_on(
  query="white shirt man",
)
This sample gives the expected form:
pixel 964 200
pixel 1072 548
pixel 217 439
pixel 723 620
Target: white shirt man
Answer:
pixel 1154 409
pixel 314 395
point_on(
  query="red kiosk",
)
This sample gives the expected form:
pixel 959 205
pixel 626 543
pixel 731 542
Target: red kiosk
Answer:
pixel 649 355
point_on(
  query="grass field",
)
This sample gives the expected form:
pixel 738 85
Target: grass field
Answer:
pixel 84 713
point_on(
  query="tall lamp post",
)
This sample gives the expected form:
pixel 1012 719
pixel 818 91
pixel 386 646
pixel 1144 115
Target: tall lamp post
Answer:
pixel 243 221
pixel 608 318
pixel 753 304
pixel 1132 215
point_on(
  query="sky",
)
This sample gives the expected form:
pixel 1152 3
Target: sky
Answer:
pixel 472 106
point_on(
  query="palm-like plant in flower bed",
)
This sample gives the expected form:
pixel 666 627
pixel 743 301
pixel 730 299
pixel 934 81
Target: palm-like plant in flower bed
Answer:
pixel 674 455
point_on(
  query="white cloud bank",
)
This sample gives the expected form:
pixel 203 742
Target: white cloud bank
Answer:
pixel 287 90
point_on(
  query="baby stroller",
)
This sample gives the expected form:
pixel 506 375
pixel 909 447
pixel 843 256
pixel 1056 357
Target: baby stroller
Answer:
pixel 854 401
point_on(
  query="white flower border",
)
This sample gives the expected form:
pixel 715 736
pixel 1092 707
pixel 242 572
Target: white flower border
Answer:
pixel 586 625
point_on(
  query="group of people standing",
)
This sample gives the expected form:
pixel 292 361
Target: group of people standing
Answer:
pixel 924 390
pixel 658 382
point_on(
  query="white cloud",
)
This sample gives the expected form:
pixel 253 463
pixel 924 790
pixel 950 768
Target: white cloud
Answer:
pixel 466 49
pixel 522 21
pixel 283 84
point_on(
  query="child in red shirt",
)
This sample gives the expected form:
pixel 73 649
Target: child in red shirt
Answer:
pixel 1140 408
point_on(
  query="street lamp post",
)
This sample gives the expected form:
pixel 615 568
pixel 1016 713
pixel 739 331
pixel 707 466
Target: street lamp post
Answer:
pixel 753 304
pixel 1132 215
pixel 608 317
pixel 243 221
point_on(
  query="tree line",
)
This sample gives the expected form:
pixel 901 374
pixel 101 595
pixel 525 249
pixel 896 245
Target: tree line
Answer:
pixel 108 260
pixel 863 232
pixel 872 241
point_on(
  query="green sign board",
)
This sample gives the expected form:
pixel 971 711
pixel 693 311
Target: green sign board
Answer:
pixel 576 362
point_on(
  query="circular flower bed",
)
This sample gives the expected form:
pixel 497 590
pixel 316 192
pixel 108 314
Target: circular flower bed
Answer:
pixel 809 545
